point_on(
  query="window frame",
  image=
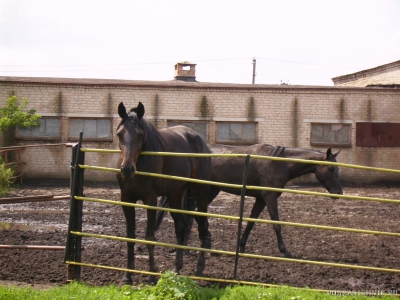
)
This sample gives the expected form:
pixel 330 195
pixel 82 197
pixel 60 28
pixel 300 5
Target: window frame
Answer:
pixel 94 139
pixel 237 142
pixel 44 137
pixel 190 121
pixel 331 143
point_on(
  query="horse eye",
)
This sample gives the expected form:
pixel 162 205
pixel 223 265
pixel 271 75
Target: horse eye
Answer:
pixel 331 168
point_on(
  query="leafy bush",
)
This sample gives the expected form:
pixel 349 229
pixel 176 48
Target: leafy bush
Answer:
pixel 5 175
pixel 170 286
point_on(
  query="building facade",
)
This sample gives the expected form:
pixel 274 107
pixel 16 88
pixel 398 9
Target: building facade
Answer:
pixel 361 121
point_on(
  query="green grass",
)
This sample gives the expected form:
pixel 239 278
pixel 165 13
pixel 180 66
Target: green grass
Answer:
pixel 170 286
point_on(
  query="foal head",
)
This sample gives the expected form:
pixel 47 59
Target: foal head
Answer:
pixel 329 175
pixel 130 134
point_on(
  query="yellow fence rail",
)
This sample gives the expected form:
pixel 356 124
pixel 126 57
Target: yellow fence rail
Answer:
pixel 231 253
pixel 248 187
pixel 236 218
pixel 306 161
pixel 210 279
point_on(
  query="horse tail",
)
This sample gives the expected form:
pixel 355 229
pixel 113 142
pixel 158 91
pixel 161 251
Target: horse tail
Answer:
pixel 189 203
pixel 163 202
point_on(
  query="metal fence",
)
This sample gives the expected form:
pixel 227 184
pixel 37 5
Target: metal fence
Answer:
pixel 72 255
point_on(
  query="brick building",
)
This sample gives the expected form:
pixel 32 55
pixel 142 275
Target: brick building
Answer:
pixel 362 121
pixel 387 76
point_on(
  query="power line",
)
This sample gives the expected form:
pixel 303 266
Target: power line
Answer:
pixel 305 63
pixel 244 60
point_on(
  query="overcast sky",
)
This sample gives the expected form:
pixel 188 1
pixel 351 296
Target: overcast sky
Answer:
pixel 306 42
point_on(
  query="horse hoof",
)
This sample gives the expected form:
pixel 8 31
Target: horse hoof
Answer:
pixel 153 280
pixel 287 254
pixel 126 280
pixel 199 273
pixel 176 270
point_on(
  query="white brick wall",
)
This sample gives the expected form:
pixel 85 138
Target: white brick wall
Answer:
pixel 273 106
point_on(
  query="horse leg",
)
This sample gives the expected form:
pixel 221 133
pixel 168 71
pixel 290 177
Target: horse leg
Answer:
pixel 151 221
pixel 129 213
pixel 181 224
pixel 258 207
pixel 204 234
pixel 272 205
pixel 188 203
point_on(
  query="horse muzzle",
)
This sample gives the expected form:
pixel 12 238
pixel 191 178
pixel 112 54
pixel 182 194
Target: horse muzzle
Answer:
pixel 127 171
pixel 338 192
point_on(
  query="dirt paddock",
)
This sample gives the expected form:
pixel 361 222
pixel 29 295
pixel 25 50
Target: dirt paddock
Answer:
pixel 45 223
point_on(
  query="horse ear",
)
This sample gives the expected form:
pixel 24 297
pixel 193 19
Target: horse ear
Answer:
pixel 140 110
pixel 122 110
pixel 328 153
pixel 336 154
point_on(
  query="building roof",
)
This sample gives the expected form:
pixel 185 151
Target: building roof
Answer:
pixel 162 84
pixel 368 72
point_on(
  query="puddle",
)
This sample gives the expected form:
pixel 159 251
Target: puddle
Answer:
pixel 12 226
pixel 52 211
pixel 216 207
pixel 37 211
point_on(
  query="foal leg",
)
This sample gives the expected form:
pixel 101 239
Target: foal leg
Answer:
pixel 272 204
pixel 151 221
pixel 129 213
pixel 258 207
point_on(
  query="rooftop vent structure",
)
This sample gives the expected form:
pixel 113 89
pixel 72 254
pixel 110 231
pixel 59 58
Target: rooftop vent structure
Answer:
pixel 185 71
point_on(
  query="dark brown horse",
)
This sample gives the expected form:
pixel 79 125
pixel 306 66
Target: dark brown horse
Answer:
pixel 136 135
pixel 268 173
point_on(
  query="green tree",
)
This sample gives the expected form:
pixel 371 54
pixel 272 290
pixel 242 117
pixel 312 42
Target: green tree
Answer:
pixel 13 115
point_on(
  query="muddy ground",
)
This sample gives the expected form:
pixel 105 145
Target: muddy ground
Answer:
pixel 45 223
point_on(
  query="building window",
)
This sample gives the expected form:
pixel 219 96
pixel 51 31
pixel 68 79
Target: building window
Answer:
pixel 49 129
pixel 371 134
pixel 91 128
pixel 236 133
pixel 331 134
pixel 200 127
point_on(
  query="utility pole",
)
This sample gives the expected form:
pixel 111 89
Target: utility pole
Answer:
pixel 254 70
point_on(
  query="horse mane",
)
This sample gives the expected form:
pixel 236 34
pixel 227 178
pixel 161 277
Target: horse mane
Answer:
pixel 296 152
pixel 277 150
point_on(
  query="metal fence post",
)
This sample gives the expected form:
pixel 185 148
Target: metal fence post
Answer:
pixel 74 243
pixel 242 196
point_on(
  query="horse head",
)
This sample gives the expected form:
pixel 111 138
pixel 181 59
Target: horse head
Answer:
pixel 130 134
pixel 329 175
